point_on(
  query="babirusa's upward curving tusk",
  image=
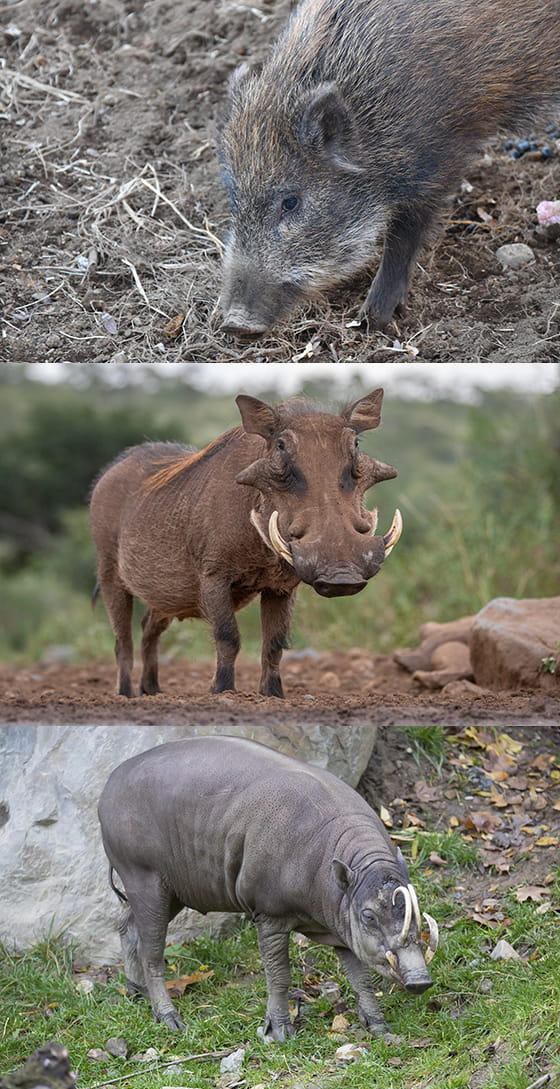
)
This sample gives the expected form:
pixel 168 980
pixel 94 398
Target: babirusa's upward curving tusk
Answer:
pixel 407 911
pixel 433 940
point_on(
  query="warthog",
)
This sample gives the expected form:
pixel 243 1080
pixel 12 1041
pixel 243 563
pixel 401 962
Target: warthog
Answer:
pixel 226 824
pixel 265 506
pixel 356 130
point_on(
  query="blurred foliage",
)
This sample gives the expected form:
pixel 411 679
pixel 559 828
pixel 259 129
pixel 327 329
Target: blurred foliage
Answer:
pixel 478 485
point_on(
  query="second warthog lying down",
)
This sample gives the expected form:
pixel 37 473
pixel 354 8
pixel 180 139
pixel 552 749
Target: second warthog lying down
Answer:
pixel 265 506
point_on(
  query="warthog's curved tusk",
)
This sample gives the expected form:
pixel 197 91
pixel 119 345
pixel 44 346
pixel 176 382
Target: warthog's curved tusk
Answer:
pixel 415 907
pixel 392 959
pixel 277 541
pixel 433 940
pixel 390 539
pixel 407 911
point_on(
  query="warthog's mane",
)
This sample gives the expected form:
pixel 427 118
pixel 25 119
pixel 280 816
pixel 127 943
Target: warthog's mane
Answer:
pixel 179 459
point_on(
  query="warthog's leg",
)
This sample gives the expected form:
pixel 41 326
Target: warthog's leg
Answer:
pixel 118 603
pixel 152 906
pixel 217 605
pixel 153 625
pixel 274 947
pixel 359 977
pixel 276 610
pixel 389 291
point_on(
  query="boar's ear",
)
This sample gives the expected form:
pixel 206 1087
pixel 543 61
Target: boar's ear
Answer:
pixel 365 414
pixel 342 874
pixel 327 127
pixel 258 417
pixel 237 79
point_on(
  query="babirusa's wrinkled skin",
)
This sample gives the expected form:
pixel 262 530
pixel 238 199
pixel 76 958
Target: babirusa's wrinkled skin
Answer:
pixel 273 503
pixel 225 824
pixel 354 133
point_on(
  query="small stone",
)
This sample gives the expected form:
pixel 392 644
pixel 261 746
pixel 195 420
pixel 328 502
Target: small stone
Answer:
pixel 350 1052
pixel 515 255
pixel 98 1055
pixel 85 985
pixel 504 951
pixel 117 1046
pixel 232 1064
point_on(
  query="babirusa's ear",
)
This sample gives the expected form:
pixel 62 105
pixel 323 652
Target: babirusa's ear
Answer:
pixel 342 873
pixel 402 863
pixel 365 414
pixel 258 417
pixel 327 127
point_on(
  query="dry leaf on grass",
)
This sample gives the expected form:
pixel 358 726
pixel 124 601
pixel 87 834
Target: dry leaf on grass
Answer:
pixel 178 986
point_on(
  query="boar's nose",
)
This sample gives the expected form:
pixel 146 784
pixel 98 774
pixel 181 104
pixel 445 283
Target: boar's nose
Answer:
pixel 238 323
pixel 338 586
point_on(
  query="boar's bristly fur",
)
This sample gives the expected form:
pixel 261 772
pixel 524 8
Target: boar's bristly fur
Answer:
pixel 355 132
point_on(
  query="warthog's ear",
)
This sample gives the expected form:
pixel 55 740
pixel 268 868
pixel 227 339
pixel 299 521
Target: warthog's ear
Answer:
pixel 258 417
pixel 327 127
pixel 343 874
pixel 365 414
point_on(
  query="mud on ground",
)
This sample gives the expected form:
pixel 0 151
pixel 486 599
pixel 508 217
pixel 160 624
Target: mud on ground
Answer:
pixel 498 783
pixel 113 209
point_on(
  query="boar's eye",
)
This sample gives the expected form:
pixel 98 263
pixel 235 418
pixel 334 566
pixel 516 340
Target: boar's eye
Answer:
pixel 368 916
pixel 290 204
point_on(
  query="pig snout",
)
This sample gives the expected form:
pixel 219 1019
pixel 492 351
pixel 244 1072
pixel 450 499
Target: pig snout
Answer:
pixel 251 302
pixel 409 967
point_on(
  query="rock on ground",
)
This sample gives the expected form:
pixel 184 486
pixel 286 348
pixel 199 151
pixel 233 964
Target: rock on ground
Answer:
pixel 512 640
pixel 53 870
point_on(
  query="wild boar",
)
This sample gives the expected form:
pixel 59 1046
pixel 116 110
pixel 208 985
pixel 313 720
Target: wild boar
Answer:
pixel 355 132
pixel 264 507
pixel 226 824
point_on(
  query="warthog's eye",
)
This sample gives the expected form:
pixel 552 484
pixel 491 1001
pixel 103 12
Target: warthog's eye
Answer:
pixel 356 443
pixel 280 444
pixel 368 916
pixel 290 204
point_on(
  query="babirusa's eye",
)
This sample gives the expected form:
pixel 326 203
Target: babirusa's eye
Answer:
pixel 289 204
pixel 368 915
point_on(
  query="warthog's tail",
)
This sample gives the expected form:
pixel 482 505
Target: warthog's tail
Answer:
pixel 95 594
pixel 119 893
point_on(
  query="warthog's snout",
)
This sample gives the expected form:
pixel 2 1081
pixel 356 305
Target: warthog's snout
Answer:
pixel 338 586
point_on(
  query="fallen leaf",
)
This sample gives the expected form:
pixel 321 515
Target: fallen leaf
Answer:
pixel 179 985
pixel 531 892
pixel 340 1023
pixel 426 793
pixel 385 816
pixel 174 326
pixel 436 859
pixel 542 761
pixel 481 821
pixel 547 841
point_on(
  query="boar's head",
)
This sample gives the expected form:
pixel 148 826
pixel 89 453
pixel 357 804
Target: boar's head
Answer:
pixel 380 913
pixel 311 483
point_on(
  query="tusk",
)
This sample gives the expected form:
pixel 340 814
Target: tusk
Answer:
pixel 392 960
pixel 277 541
pixel 433 939
pixel 390 539
pixel 407 911
pixel 415 907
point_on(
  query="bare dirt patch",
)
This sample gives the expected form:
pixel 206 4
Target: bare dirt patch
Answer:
pixel 114 211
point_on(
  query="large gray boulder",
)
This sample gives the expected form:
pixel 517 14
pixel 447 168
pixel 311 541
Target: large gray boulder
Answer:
pixel 53 870
pixel 516 644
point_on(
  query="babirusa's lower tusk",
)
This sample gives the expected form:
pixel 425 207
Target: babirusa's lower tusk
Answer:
pixel 390 539
pixel 433 940
pixel 277 541
pixel 392 959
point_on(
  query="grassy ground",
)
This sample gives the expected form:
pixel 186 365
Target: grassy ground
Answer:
pixel 485 1025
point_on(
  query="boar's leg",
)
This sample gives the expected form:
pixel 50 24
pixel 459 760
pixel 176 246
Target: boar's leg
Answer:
pixel 274 943
pixel 218 609
pixel 152 906
pixel 276 610
pixel 359 977
pixel 153 625
pixel 389 290
pixel 118 603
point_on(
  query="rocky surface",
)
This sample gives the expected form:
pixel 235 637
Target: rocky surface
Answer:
pixel 516 644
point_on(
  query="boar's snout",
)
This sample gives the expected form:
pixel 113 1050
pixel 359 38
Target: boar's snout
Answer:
pixel 338 586
pixel 251 303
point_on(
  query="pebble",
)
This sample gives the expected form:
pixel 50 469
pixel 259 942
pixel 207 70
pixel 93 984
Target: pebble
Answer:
pixel 514 255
